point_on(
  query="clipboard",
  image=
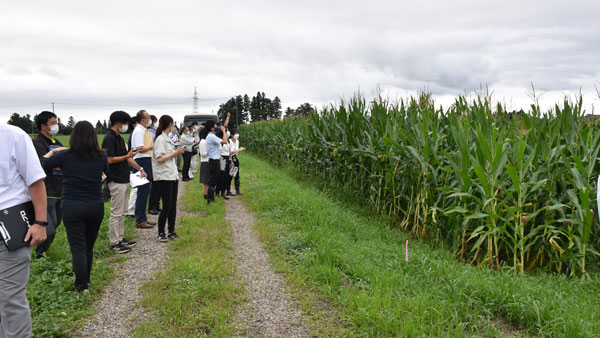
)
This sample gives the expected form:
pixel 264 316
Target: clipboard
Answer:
pixel 14 224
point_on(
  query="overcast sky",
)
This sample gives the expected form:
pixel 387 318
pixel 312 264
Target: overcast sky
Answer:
pixel 93 59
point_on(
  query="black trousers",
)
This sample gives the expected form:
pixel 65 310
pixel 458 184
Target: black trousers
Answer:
pixel 223 176
pixel 214 169
pixel 236 163
pixel 187 161
pixel 54 212
pixel 82 224
pixel 168 192
pixel 154 200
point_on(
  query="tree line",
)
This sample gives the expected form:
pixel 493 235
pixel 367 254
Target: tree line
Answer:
pixel 244 109
pixel 27 123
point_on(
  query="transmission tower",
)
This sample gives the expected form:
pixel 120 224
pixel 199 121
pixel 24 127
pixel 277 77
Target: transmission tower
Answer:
pixel 195 101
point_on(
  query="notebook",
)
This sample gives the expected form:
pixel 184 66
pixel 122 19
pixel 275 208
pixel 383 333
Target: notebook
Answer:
pixel 14 224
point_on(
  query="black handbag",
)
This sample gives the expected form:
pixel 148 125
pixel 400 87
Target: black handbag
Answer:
pixel 14 224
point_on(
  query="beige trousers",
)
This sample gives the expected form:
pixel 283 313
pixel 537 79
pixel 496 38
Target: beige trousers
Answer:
pixel 119 201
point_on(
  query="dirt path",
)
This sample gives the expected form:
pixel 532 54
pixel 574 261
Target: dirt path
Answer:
pixel 116 313
pixel 269 310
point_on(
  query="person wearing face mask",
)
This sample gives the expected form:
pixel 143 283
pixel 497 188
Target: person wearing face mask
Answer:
pixel 213 144
pixel 119 160
pixel 204 175
pixel 194 162
pixel 44 142
pixel 154 198
pixel 141 139
pixel 187 142
pixel 225 165
pixel 234 146
pixel 165 176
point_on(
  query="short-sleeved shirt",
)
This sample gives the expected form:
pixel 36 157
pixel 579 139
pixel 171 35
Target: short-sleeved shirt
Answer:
pixel 137 140
pixel 203 152
pixel 213 144
pixel 82 180
pixel 115 146
pixel 53 180
pixel 19 166
pixel 167 170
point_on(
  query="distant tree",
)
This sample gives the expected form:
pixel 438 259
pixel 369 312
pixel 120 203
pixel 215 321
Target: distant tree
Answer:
pixel 246 103
pixel 105 127
pixel 304 110
pixel 99 127
pixel 235 106
pixel 61 126
pixel 275 109
pixel 70 125
pixel 289 112
pixel 23 122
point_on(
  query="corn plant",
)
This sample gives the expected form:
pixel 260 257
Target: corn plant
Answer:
pixel 502 190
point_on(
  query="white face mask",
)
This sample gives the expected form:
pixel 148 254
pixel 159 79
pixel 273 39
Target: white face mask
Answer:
pixel 53 129
pixel 155 125
pixel 148 124
pixel 123 128
pixel 236 136
pixel 228 134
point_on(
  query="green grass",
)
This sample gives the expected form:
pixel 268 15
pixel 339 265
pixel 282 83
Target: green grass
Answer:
pixel 356 263
pixel 56 307
pixel 64 139
pixel 197 293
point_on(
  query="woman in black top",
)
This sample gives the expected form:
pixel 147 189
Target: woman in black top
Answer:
pixel 83 203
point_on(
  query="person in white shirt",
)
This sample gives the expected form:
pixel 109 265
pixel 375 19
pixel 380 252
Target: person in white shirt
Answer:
pixel 225 165
pixel 195 130
pixel 234 146
pixel 213 144
pixel 187 142
pixel 141 139
pixel 21 181
pixel 174 136
pixel 204 174
pixel 165 175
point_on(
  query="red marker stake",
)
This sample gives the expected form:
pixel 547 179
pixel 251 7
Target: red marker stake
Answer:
pixel 406 252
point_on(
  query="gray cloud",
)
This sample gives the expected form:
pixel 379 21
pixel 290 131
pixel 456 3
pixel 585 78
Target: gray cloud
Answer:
pixel 117 52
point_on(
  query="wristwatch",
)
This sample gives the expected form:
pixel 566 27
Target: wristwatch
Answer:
pixel 44 224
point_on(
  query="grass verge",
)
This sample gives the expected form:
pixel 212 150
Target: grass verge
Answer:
pixel 57 309
pixel 357 264
pixel 197 293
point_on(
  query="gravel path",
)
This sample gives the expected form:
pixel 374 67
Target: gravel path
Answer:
pixel 117 311
pixel 269 310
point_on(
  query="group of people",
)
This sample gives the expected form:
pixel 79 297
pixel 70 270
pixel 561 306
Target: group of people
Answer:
pixel 65 185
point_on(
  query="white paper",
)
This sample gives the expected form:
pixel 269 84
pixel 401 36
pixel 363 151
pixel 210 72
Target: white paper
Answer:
pixel 137 180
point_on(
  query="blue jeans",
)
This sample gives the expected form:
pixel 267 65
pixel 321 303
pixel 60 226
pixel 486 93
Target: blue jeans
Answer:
pixel 143 191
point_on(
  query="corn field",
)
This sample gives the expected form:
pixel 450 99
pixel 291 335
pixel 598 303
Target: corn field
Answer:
pixel 505 191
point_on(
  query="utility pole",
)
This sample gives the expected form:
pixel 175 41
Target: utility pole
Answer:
pixel 195 101
pixel 52 107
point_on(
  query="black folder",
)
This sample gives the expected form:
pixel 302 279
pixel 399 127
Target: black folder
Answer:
pixel 14 224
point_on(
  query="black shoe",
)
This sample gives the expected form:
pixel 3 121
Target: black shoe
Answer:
pixel 225 197
pixel 162 238
pixel 120 249
pixel 173 236
pixel 128 244
pixel 238 193
pixel 186 179
pixel 154 212
pixel 229 194
pixel 159 209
